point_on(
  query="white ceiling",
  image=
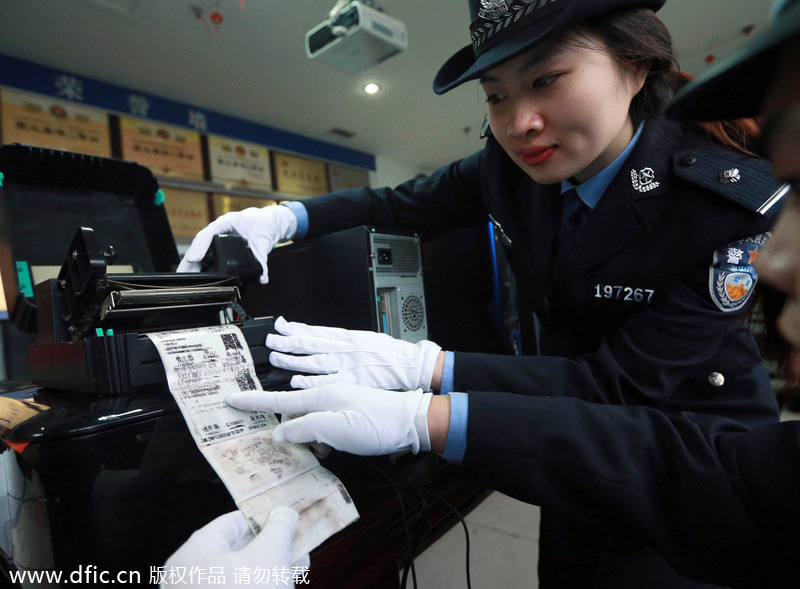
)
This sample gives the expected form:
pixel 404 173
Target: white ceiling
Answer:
pixel 254 66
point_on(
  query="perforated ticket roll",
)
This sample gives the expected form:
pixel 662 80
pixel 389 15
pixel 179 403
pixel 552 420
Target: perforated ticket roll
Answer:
pixel 204 366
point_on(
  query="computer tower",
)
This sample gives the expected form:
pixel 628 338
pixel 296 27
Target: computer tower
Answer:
pixel 359 278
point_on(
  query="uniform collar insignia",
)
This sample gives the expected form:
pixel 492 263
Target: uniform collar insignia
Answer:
pixel 644 180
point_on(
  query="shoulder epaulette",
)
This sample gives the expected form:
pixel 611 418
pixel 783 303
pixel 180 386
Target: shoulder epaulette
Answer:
pixel 751 186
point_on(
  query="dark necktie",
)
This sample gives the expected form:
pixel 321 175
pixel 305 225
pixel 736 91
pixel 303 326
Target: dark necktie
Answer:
pixel 573 212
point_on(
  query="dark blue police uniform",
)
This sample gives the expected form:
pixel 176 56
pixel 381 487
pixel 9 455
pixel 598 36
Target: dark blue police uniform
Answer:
pixel 718 502
pixel 643 306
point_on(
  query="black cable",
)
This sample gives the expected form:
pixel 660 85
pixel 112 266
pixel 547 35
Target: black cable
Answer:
pixel 412 546
pixel 419 535
pixel 463 524
pixel 437 496
pixel 406 524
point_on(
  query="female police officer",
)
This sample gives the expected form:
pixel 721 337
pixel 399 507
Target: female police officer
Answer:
pixel 721 504
pixel 638 282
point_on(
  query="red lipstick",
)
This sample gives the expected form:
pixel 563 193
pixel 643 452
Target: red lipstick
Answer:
pixel 534 156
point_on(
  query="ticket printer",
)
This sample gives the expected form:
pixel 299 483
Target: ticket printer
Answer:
pixel 91 326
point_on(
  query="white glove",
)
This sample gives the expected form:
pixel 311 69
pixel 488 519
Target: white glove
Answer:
pixel 342 355
pixel 213 554
pixel 320 450
pixel 262 228
pixel 350 418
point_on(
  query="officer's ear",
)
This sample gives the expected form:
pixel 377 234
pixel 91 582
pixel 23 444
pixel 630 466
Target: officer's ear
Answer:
pixel 637 76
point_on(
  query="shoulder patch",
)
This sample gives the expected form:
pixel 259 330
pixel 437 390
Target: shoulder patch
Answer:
pixel 731 276
pixel 750 186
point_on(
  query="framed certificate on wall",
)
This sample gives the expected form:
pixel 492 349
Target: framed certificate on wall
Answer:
pixel 187 211
pixel 298 175
pixel 237 162
pixel 55 124
pixel 166 150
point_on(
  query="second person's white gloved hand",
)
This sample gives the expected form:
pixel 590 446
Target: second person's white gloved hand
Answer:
pixel 351 418
pixel 262 228
pixel 226 544
pixel 335 355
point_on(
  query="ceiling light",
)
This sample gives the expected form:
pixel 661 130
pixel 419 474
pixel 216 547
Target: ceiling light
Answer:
pixel 371 88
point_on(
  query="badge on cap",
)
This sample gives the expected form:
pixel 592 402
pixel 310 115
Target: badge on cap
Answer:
pixel 492 9
pixel 731 277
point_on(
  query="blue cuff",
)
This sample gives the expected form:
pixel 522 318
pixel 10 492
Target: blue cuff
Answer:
pixel 457 432
pixel 446 385
pixel 299 210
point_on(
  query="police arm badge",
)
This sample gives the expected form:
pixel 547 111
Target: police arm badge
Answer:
pixel 731 276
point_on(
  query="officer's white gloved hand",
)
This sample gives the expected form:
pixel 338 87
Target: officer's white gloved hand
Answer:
pixel 226 545
pixel 342 355
pixel 319 449
pixel 262 228
pixel 348 417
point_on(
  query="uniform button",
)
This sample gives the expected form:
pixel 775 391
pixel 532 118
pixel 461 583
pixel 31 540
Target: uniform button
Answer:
pixel 715 379
pixel 688 159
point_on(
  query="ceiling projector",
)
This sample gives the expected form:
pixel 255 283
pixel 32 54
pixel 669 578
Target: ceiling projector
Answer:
pixel 356 37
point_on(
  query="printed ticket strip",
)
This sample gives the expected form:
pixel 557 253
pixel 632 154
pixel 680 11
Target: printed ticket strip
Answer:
pixel 203 366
